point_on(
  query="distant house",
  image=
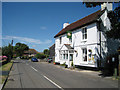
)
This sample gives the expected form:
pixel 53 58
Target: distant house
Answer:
pixel 30 52
pixel 84 42
pixel 52 51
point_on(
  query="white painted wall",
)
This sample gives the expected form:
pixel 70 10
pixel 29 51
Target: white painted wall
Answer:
pixel 78 43
pixel 90 43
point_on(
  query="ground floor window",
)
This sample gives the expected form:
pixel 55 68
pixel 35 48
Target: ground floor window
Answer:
pixel 71 57
pixel 84 54
pixel 63 56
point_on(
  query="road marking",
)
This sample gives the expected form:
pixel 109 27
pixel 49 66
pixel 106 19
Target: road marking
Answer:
pixel 52 82
pixel 34 69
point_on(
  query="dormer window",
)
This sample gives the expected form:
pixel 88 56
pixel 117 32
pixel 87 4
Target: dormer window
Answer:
pixel 84 33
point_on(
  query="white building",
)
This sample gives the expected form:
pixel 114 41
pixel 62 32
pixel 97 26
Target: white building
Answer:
pixel 88 45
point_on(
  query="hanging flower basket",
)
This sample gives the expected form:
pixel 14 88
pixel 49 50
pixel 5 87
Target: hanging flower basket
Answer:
pixel 90 50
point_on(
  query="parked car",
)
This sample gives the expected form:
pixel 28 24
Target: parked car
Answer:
pixel 34 59
pixel 50 60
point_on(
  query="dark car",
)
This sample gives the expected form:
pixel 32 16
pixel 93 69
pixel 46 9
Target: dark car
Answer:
pixel 50 59
pixel 34 59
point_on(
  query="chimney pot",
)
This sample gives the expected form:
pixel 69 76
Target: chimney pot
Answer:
pixel 106 5
pixel 65 25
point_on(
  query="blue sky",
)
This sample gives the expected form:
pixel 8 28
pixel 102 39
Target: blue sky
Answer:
pixel 36 23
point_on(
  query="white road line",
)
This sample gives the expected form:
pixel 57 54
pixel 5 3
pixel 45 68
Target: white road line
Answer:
pixel 34 69
pixel 52 82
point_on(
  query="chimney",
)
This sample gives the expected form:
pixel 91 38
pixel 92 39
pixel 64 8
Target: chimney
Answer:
pixel 107 5
pixel 65 25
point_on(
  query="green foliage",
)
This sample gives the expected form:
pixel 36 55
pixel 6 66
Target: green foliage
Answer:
pixel 14 57
pixel 19 48
pixel 72 63
pixel 7 51
pixel 46 52
pixel 0 51
pixel 114 17
pixel 40 56
pixel 92 4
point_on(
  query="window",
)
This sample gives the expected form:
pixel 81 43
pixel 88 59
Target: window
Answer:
pixel 71 57
pixel 60 40
pixel 84 54
pixel 84 33
pixel 63 56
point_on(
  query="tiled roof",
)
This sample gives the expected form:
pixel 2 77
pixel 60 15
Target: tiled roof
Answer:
pixel 80 23
pixel 52 46
pixel 32 51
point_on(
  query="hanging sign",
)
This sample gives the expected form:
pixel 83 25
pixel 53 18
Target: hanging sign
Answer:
pixel 69 34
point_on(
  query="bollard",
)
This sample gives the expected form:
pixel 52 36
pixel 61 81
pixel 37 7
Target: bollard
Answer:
pixel 115 73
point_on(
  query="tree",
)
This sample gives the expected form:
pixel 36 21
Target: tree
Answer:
pixel 114 17
pixel 0 51
pixel 46 52
pixel 40 56
pixel 8 51
pixel 92 4
pixel 19 48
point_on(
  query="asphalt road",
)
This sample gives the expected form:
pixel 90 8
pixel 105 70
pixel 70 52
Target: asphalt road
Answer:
pixel 27 74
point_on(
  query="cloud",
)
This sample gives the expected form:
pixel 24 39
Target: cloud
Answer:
pixel 29 40
pixel 47 41
pixel 33 45
pixel 43 28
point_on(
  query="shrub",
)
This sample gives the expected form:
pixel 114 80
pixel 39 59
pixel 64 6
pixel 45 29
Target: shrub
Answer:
pixel 72 63
pixel 40 56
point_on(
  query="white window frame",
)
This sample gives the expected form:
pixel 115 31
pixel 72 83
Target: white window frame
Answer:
pixel 84 55
pixel 60 40
pixel 84 33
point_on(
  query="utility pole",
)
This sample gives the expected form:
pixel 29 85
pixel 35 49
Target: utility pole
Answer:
pixel 12 42
pixel 12 48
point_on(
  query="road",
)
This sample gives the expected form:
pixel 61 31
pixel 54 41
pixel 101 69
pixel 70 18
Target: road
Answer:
pixel 27 74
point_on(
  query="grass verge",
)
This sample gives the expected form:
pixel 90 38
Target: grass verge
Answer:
pixel 5 67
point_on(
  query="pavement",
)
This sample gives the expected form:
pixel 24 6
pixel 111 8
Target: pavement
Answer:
pixel 27 74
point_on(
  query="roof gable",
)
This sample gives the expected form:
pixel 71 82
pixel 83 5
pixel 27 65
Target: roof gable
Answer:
pixel 66 47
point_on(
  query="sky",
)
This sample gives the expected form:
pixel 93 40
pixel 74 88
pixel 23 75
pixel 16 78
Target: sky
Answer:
pixel 36 23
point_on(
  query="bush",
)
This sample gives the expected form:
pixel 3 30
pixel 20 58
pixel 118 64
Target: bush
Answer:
pixel 72 63
pixel 40 56
pixel 14 56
